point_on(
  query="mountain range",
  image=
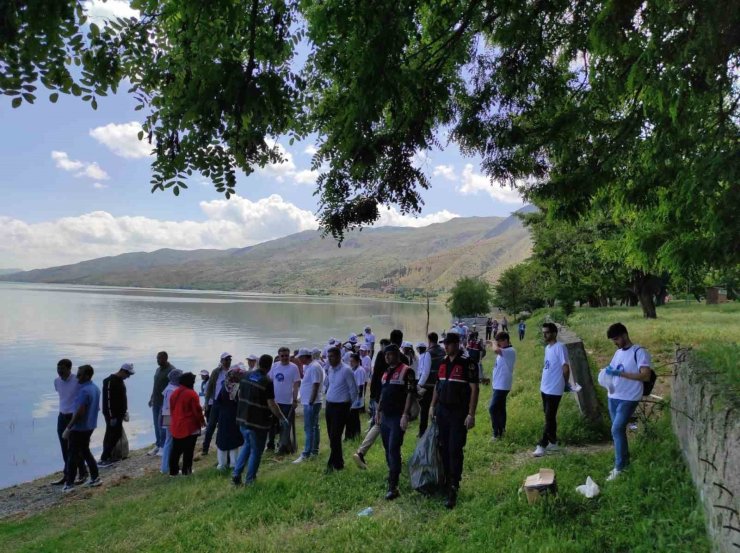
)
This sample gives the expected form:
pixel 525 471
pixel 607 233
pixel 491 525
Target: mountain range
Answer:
pixel 372 261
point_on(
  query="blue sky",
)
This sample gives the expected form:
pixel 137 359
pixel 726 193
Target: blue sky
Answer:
pixel 75 185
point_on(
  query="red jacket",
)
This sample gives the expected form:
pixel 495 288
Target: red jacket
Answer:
pixel 186 414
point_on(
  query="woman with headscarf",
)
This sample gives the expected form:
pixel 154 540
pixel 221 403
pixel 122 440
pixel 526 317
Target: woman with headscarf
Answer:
pixel 229 438
pixel 165 416
pixel 186 420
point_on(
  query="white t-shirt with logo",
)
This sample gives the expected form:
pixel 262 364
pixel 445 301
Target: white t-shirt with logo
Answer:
pixel 624 360
pixel 313 373
pixel 360 375
pixel 553 382
pixel 369 338
pixel 503 370
pixel 283 377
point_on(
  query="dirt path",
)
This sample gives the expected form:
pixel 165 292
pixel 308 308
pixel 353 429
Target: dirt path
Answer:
pixel 31 497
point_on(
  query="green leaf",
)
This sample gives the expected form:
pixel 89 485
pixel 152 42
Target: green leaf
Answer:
pixel 53 97
pixel 16 102
pixel 140 135
pixel 94 103
pixel 176 190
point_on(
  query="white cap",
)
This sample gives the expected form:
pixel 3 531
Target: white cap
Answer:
pixel 224 355
pixel 303 352
pixel 332 341
pixel 315 351
pixel 251 357
pixel 128 367
pixel 364 347
pixel 353 338
pixel 204 373
pixel 367 329
pixel 405 345
pixel 421 345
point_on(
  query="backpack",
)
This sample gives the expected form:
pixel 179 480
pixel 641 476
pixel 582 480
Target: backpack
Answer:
pixel 647 387
pixel 437 355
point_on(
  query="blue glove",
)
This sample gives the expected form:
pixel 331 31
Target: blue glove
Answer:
pixel 611 371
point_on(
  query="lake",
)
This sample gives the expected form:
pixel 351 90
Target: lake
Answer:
pixel 107 326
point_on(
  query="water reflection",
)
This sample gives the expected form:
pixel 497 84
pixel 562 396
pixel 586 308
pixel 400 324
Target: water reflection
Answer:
pixel 103 326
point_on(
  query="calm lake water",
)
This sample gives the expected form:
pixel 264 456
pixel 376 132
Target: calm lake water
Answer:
pixel 107 326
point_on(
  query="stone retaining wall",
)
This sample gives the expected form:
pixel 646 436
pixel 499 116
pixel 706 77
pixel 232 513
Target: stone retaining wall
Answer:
pixel 707 425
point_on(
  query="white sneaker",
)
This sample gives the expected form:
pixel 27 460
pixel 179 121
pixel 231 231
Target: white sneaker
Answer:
pixel 552 448
pixel 299 460
pixel 159 453
pixel 539 451
pixel 494 439
pixel 613 475
pixel 153 451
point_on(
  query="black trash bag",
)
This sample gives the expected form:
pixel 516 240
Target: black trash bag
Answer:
pixel 425 466
pixel 288 443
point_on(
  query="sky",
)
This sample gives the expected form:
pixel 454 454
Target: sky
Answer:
pixel 75 185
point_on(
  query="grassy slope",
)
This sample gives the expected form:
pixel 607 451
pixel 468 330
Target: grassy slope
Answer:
pixel 653 507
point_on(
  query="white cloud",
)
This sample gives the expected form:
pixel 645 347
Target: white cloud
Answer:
pixel 391 217
pixel 122 139
pixel 445 171
pixel 310 150
pixel 99 185
pixel 233 223
pixel 307 176
pixel 286 169
pixel 99 11
pixel 473 183
pixel 81 168
pixel 237 222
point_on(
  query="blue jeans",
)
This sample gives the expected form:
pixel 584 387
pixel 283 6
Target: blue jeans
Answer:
pixel 311 429
pixel 158 434
pixel 392 435
pixel 166 450
pixel 251 453
pixel 620 410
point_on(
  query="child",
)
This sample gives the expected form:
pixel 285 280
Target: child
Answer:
pixel 353 424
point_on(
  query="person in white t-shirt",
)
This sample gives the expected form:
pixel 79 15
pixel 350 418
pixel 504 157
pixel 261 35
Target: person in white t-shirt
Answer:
pixel 287 380
pixel 501 380
pixel 370 340
pixel 310 392
pixel 366 360
pixel 630 367
pixel 555 373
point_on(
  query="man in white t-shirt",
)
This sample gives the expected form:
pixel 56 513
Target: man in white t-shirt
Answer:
pixel 370 340
pixel 287 380
pixel 310 391
pixel 555 373
pixel 501 380
pixel 630 367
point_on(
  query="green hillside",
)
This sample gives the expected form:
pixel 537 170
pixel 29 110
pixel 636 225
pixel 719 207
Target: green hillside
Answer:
pixel 374 261
pixel 651 507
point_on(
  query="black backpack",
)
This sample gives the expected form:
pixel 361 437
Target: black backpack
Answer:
pixel 647 387
pixel 437 354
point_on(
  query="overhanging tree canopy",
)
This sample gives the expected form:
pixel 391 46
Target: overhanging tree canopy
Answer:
pixel 626 108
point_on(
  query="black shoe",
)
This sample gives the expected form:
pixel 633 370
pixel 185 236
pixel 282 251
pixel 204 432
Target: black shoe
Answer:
pixel 236 481
pixel 451 498
pixel 59 482
pixel 204 452
pixel 81 479
pixel 392 493
pixel 105 464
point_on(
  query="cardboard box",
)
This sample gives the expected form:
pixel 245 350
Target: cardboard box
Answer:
pixel 540 484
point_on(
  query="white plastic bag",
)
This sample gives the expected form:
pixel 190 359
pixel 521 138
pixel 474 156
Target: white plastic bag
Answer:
pixel 606 381
pixel 589 489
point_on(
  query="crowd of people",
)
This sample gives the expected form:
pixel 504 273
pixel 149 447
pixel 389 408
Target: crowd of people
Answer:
pixel 251 407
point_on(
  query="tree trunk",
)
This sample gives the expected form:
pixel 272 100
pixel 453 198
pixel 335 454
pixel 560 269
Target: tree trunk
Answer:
pixel 645 286
pixel 647 303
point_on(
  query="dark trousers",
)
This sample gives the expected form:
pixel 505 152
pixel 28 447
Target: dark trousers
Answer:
pixel 497 410
pixel 392 436
pixel 424 402
pixel 452 438
pixel 211 427
pixel 112 436
pixel 184 447
pixel 79 451
pixel 521 335
pixel 489 332
pixel 62 422
pixel 287 410
pixel 336 419
pixel 550 407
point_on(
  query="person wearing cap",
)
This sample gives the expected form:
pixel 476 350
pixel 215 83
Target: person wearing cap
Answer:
pixel 396 395
pixel 204 377
pixel 376 383
pixel 251 361
pixel 408 350
pixel 213 389
pixel 310 393
pixel 255 409
pixel 115 411
pixel 174 378
pixel 429 361
pixel 287 381
pixel 366 361
pixel 66 386
pixel 155 400
pixel 370 340
pixel 454 402
pixel 340 391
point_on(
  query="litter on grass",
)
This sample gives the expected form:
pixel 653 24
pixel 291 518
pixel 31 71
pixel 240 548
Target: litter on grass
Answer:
pixel 589 489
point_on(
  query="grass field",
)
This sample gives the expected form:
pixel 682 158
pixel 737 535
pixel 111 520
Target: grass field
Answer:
pixel 652 507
